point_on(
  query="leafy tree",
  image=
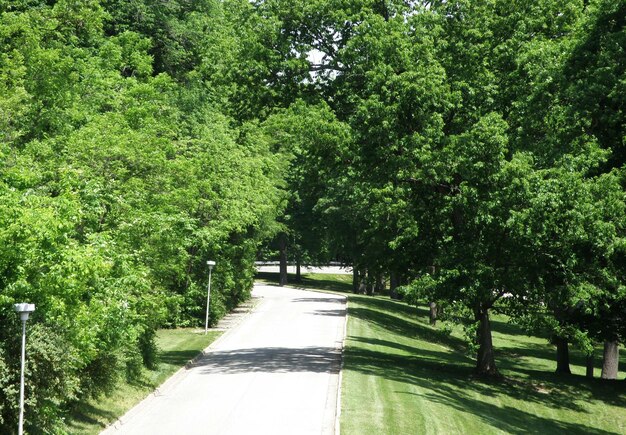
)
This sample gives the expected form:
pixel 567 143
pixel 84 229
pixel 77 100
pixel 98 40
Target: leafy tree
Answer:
pixel 311 139
pixel 118 180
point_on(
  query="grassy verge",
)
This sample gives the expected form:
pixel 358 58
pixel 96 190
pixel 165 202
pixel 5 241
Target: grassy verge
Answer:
pixel 176 347
pixel 402 376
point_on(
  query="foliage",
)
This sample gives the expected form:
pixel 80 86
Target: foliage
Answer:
pixel 484 152
pixel 175 348
pixel 119 177
pixel 473 148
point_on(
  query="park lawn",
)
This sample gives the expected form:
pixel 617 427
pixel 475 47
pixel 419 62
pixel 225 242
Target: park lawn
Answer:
pixel 401 376
pixel 176 347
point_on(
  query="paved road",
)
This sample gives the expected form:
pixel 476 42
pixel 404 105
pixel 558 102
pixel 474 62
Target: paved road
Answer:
pixel 275 373
pixel 335 270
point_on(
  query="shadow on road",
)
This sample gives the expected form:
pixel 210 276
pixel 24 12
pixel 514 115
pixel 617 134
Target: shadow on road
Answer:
pixel 332 300
pixel 272 360
pixel 338 313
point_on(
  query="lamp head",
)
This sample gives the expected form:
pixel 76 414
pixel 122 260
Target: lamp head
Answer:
pixel 24 310
pixel 211 264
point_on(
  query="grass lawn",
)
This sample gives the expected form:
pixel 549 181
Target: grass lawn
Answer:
pixel 176 347
pixel 401 376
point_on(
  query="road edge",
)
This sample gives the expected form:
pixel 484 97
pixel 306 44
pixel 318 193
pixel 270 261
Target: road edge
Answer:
pixel 176 377
pixel 340 380
pixel 337 411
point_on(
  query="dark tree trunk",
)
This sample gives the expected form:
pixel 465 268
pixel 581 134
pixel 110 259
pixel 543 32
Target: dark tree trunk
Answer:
pixel 369 284
pixel 433 313
pixel 283 259
pixel 485 361
pixel 562 355
pixel 380 283
pixel 298 271
pixel 610 361
pixel 589 366
pixel 384 10
pixel 393 285
pixel 355 279
pixel 362 282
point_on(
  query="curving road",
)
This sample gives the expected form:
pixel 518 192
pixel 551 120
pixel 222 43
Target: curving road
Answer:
pixel 277 372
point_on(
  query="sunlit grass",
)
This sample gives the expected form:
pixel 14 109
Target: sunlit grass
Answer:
pixel 402 376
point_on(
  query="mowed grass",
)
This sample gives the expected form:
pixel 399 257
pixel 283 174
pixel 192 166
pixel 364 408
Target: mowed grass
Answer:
pixel 402 376
pixel 176 347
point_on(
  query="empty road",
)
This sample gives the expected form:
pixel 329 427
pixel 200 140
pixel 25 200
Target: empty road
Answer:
pixel 275 373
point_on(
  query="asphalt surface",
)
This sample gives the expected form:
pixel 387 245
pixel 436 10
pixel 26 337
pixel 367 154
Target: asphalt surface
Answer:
pixel 335 270
pixel 277 372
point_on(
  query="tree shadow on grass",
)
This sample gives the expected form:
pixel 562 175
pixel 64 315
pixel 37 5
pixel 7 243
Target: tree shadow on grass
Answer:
pixel 325 284
pixel 526 350
pixel 406 328
pixel 177 357
pixel 610 392
pixel 453 357
pixel 439 372
pixel 506 418
pixel 506 328
pixel 390 305
pixel 512 358
pixel 86 413
pixel 416 360
pixel 448 378
pixel 141 382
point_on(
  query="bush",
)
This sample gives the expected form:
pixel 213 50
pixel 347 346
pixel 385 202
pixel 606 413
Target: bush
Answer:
pixel 50 379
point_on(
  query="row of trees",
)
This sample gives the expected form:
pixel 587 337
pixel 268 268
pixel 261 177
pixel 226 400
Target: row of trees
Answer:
pixel 127 159
pixel 473 151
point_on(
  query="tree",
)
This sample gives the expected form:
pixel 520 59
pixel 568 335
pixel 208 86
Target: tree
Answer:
pixel 118 181
pixel 313 141
pixel 567 126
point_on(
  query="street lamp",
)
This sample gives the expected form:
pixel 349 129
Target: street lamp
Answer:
pixel 211 265
pixel 24 311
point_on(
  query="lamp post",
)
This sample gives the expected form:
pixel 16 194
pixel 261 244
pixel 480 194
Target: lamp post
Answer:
pixel 24 311
pixel 211 264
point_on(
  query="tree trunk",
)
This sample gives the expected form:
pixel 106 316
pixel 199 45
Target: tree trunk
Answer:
pixel 393 285
pixel 589 366
pixel 369 284
pixel 433 313
pixel 362 282
pixel 283 259
pixel 380 283
pixel 485 361
pixel 298 271
pixel 355 279
pixel 611 360
pixel 562 355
